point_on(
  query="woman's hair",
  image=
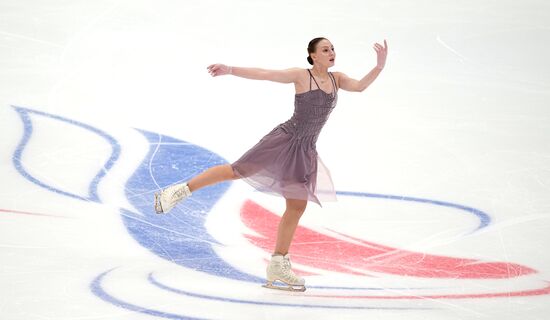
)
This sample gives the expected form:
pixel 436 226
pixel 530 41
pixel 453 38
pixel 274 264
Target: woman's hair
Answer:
pixel 311 47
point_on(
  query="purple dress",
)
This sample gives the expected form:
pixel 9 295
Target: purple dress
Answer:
pixel 285 161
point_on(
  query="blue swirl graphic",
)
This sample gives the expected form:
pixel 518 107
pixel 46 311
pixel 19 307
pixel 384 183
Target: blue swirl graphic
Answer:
pixel 24 113
pixel 181 236
pixel 98 290
pixel 484 219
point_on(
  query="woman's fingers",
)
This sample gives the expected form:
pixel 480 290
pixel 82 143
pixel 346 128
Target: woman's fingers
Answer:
pixel 380 47
pixel 213 69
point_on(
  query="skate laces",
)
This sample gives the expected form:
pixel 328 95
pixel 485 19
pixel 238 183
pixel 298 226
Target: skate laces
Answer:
pixel 180 193
pixel 285 266
pixel 286 270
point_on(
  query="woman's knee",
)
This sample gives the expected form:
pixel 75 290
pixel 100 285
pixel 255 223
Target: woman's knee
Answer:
pixel 296 206
pixel 226 172
pixel 232 174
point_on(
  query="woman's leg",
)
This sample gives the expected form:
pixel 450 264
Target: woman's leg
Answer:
pixel 279 268
pixel 294 210
pixel 170 196
pixel 211 176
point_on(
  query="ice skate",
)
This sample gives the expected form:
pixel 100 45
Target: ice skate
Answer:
pixel 170 196
pixel 279 269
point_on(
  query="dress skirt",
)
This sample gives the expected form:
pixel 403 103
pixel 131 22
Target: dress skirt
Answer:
pixel 285 164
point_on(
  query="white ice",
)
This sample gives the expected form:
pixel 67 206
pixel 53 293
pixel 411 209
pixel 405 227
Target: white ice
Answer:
pixel 460 114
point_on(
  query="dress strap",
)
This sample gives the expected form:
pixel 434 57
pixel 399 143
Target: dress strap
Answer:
pixel 312 77
pixel 333 81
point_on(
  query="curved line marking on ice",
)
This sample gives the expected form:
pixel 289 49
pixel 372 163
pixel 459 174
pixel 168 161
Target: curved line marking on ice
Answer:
pixel 483 217
pixel 24 113
pixel 97 289
pixel 156 283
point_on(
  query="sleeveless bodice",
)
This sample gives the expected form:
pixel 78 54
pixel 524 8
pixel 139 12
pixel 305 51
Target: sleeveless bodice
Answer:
pixel 311 112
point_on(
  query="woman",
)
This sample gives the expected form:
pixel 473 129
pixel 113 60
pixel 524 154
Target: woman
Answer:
pixel 285 161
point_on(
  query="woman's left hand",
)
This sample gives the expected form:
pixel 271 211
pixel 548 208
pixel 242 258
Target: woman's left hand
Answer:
pixel 219 69
pixel 381 54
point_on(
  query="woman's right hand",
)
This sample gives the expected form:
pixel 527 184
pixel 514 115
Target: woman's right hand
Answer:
pixel 219 69
pixel 381 54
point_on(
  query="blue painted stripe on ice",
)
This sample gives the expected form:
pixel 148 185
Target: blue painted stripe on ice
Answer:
pixel 156 283
pixel 98 290
pixel 484 218
pixel 27 134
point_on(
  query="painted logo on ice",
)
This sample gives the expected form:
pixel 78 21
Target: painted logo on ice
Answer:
pixel 182 237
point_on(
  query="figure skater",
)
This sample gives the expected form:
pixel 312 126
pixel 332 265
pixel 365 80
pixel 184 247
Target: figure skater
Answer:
pixel 285 161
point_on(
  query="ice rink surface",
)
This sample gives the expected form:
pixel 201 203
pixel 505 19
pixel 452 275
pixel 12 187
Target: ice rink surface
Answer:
pixel 442 166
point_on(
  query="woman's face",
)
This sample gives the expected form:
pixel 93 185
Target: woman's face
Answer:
pixel 324 54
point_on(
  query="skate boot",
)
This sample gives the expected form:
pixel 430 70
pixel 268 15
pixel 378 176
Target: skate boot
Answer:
pixel 279 268
pixel 170 196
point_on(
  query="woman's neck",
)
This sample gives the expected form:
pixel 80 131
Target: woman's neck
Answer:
pixel 320 71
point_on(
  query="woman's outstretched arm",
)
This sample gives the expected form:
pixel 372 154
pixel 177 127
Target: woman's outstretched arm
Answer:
pixel 349 84
pixel 282 76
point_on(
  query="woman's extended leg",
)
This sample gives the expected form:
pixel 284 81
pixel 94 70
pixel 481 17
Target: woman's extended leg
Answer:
pixel 170 196
pixel 211 176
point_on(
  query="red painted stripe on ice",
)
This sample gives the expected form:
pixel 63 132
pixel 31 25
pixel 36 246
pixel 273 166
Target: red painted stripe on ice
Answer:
pixel 30 213
pixel 322 251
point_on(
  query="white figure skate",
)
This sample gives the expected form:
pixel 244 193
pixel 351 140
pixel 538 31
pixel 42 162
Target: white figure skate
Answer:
pixel 279 269
pixel 169 197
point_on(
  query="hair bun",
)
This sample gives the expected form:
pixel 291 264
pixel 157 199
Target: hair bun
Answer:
pixel 310 60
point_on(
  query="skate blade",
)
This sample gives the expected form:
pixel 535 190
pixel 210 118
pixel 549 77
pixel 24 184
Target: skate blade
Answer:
pixel 158 206
pixel 283 288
